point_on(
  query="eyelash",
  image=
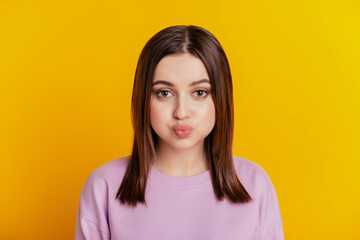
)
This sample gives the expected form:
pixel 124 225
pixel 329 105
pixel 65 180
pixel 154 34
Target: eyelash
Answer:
pixel 205 92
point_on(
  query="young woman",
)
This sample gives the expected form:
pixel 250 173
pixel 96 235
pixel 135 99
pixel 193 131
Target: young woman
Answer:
pixel 181 180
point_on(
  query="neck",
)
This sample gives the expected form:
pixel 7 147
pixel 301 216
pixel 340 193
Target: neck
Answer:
pixel 180 162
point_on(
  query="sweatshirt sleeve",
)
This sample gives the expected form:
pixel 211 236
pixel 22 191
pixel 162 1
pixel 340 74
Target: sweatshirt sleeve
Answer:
pixel 92 217
pixel 270 217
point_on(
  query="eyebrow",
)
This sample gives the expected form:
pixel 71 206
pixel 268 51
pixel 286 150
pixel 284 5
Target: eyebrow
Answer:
pixel 172 85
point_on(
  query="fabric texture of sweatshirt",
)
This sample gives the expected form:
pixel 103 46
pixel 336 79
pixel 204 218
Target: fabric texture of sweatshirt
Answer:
pixel 178 207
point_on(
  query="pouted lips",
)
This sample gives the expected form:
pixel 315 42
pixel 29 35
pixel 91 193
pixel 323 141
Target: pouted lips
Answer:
pixel 182 130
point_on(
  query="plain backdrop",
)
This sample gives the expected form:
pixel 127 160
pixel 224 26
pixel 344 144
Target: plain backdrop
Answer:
pixel 66 75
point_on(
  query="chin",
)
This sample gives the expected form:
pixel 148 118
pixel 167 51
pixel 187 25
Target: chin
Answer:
pixel 178 143
pixel 181 146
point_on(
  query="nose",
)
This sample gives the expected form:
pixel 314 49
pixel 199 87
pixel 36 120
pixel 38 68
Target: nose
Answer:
pixel 182 108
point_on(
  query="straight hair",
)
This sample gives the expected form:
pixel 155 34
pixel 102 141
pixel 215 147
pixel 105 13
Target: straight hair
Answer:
pixel 217 145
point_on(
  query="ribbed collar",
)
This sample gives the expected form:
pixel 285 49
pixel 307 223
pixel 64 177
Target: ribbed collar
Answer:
pixel 180 182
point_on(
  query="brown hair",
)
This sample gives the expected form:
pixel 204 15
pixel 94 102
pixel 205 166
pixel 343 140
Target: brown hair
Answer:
pixel 217 145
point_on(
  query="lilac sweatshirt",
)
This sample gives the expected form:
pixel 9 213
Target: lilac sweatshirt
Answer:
pixel 178 207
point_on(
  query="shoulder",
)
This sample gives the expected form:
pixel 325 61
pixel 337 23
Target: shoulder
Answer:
pixel 100 185
pixel 252 175
pixel 260 187
pixel 109 173
pixel 248 168
pixel 111 168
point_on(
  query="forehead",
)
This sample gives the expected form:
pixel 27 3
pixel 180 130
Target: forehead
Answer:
pixel 183 67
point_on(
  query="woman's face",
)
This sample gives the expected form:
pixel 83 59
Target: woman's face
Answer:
pixel 182 111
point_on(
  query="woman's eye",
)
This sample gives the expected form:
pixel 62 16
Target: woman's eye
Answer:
pixel 163 93
pixel 201 93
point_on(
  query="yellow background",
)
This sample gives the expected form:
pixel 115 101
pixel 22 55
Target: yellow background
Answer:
pixel 67 67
